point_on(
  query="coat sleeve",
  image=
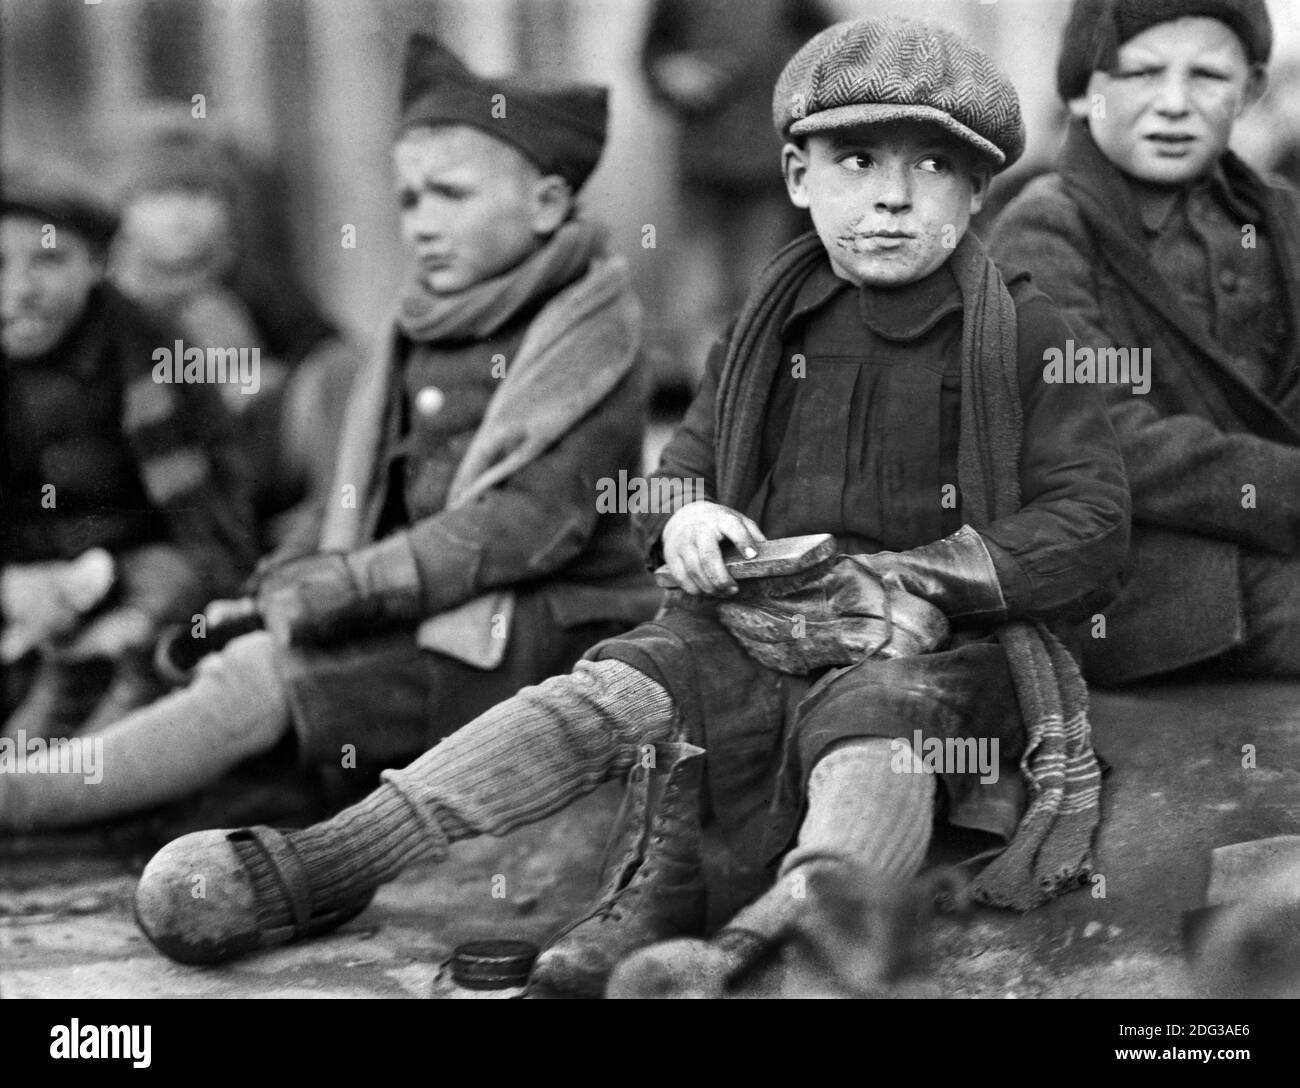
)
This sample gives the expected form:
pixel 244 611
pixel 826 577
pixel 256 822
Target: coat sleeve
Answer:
pixel 530 526
pixel 1185 472
pixel 689 456
pixel 1060 555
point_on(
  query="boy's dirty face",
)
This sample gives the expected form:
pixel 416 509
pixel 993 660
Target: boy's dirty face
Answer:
pixel 889 201
pixel 472 206
pixel 43 287
pixel 1165 114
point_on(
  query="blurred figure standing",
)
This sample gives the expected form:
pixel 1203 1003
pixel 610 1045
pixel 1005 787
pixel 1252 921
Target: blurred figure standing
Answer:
pixel 713 63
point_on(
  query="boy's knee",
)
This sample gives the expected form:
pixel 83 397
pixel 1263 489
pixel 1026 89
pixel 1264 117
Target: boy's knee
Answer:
pixel 242 688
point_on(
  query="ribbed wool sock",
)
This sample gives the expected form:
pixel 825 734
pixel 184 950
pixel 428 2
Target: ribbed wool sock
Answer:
pixel 523 760
pixel 860 810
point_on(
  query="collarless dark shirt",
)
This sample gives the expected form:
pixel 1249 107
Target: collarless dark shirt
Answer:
pixel 864 419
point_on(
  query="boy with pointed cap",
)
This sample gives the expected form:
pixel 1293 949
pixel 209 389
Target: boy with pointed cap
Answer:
pixel 1158 242
pixel 461 552
pixel 881 384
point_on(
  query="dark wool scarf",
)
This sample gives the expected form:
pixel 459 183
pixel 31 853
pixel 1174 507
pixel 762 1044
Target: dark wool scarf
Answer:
pixel 479 311
pixel 1159 318
pixel 1051 849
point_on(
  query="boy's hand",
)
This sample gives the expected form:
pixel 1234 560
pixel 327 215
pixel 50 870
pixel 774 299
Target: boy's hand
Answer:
pixel 691 542
pixel 691 81
pixel 313 599
pixel 41 602
pixel 113 634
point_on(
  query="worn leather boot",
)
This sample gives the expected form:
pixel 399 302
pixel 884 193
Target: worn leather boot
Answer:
pixel 655 888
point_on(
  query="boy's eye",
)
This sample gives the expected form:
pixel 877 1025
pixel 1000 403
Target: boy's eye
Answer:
pixel 1148 72
pixel 1209 73
pixel 856 162
pixel 934 164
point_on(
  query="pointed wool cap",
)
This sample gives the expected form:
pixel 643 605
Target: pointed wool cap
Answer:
pixel 561 128
pixel 869 71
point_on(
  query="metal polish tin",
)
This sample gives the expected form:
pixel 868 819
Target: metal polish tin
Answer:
pixel 497 968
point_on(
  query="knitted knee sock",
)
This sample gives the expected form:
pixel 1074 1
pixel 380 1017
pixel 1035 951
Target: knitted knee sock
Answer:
pixel 524 759
pixel 861 810
pixel 235 708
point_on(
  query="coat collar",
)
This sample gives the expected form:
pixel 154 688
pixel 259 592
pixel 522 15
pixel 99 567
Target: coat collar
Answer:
pixel 1156 213
pixel 900 313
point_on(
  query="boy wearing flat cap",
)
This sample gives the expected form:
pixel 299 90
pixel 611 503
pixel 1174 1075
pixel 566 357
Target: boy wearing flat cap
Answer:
pixel 461 552
pixel 881 384
pixel 124 510
pixel 1167 252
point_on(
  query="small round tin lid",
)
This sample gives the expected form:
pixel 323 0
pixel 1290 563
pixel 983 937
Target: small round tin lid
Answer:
pixel 492 964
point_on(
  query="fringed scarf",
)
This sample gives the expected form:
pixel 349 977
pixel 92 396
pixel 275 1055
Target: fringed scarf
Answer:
pixel 1051 849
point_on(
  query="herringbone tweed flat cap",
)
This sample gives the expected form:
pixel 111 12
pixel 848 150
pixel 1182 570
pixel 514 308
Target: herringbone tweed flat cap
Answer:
pixel 893 69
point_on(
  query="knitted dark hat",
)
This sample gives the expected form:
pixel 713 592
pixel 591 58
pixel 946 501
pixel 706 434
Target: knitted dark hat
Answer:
pixel 61 194
pixel 1099 27
pixel 560 128
pixel 893 69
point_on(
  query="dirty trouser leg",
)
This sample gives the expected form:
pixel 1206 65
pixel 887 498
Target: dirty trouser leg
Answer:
pixel 519 762
pixel 235 708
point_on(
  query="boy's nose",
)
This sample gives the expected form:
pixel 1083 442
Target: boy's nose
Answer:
pixel 424 220
pixel 18 289
pixel 1172 96
pixel 894 190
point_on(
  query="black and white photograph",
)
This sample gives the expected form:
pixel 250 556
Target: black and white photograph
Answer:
pixel 650 499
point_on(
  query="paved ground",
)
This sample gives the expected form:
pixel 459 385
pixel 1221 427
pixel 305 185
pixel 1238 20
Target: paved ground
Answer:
pixel 1178 789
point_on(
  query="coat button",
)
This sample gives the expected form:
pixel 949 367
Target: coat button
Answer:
pixel 429 400
pixel 1229 280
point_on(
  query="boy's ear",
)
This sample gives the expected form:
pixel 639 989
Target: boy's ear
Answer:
pixel 1256 85
pixel 1080 108
pixel 981 177
pixel 552 203
pixel 794 167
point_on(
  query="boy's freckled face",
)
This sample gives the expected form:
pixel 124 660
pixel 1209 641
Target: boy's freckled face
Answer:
pixel 889 201
pixel 43 289
pixel 469 210
pixel 1171 102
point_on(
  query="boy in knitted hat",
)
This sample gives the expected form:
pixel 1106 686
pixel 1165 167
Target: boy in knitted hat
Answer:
pixel 881 384
pixel 124 509
pixel 1178 268
pixel 461 552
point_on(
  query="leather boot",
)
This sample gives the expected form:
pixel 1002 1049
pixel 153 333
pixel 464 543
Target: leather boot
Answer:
pixel 655 888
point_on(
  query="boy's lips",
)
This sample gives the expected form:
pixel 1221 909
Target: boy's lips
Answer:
pixel 25 327
pixel 876 241
pixel 1171 142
